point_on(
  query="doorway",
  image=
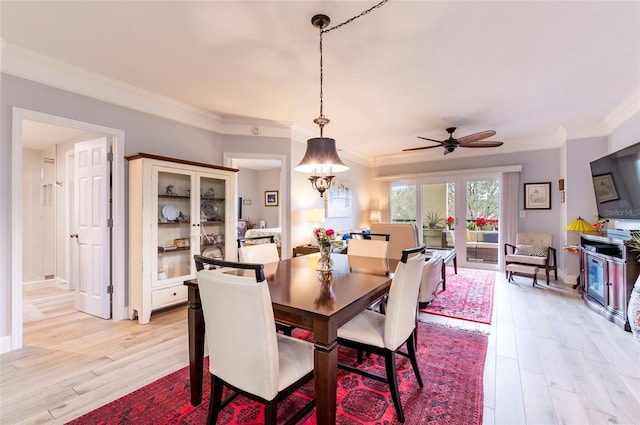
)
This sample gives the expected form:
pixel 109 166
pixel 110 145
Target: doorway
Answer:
pixel 259 174
pixel 24 123
pixel 446 209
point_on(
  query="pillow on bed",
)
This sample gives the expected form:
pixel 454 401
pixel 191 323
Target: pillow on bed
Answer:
pixel 531 250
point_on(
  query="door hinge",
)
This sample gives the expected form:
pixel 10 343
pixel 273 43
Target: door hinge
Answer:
pixel 109 156
pixel 109 222
pixel 109 289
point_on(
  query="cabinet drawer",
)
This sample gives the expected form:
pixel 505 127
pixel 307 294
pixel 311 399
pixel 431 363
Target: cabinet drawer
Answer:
pixel 168 296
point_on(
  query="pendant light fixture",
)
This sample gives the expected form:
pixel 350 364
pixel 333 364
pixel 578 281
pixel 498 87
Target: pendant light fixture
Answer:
pixel 321 159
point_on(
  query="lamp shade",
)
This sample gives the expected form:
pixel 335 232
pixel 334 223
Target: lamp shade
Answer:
pixel 580 225
pixel 316 215
pixel 374 216
pixel 321 157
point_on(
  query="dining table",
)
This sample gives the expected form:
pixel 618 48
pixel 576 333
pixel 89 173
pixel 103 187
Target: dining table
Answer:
pixel 306 298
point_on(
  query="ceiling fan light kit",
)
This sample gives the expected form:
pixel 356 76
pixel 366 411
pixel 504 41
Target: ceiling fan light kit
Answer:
pixel 471 141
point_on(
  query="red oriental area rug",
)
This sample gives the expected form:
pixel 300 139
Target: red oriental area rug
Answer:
pixel 468 296
pixel 451 364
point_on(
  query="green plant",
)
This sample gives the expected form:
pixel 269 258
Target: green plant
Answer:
pixel 434 218
pixel 634 244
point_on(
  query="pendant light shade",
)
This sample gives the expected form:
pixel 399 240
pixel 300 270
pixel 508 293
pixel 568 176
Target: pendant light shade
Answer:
pixel 580 225
pixel 321 157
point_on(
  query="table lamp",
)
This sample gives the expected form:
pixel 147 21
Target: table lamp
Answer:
pixel 580 225
pixel 315 216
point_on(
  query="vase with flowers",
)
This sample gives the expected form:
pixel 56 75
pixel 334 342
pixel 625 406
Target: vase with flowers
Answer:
pixel 633 309
pixel 450 220
pixel 325 237
pixel 601 226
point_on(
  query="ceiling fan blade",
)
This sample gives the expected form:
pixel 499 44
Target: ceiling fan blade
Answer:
pixel 420 148
pixel 476 136
pixel 431 140
pixel 482 144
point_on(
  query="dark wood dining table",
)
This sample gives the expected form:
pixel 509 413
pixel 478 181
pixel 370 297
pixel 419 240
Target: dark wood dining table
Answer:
pixel 308 299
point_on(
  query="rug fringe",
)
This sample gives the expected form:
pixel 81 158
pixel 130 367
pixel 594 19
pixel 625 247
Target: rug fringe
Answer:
pixel 456 327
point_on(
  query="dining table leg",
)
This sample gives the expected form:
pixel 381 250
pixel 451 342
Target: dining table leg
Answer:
pixel 325 358
pixel 195 323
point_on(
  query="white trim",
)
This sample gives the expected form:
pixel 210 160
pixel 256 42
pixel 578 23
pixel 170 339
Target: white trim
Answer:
pixel 27 64
pixel 118 214
pixel 5 344
pixel 627 108
pixel 283 216
pixel 505 169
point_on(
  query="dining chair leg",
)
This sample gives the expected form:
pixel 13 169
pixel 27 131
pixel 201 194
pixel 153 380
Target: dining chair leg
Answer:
pixel 215 401
pixel 411 348
pixel 390 366
pixel 270 412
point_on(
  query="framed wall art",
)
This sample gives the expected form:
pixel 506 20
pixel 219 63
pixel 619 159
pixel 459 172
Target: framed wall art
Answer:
pixel 537 196
pixel 271 198
pixel 338 200
pixel 605 188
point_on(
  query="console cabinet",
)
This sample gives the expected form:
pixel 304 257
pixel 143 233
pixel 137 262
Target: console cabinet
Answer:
pixel 177 209
pixel 608 271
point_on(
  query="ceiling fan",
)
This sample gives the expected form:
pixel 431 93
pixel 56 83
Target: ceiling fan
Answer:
pixel 470 141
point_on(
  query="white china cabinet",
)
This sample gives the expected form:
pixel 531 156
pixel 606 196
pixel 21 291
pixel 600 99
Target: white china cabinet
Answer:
pixel 177 209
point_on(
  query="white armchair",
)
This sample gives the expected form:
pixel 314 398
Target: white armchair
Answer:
pixel 533 249
pixel 431 280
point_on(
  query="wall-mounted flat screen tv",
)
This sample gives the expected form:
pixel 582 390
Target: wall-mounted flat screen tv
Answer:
pixel 616 181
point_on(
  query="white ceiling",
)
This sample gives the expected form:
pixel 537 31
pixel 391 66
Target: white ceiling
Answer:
pixel 529 70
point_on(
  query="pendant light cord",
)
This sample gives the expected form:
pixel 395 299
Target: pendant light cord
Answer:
pixel 321 120
pixel 348 21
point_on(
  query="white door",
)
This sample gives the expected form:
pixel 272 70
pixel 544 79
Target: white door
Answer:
pixel 92 230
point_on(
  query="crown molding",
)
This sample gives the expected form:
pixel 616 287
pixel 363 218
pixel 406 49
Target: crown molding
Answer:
pixel 33 66
pixel 627 108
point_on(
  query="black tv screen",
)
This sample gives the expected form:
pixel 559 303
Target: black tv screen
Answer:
pixel 616 182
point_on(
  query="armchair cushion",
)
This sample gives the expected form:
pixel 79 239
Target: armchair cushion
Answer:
pixel 531 250
pixel 490 237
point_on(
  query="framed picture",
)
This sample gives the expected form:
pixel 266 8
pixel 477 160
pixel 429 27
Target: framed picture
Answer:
pixel 605 188
pixel 537 196
pixel 270 198
pixel 338 200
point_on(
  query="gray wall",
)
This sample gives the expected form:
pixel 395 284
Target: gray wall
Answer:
pixel 143 133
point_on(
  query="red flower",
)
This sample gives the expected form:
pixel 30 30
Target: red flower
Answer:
pixel 329 232
pixel 481 221
pixel 450 220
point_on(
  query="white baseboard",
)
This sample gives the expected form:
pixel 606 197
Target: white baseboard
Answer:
pixel 5 344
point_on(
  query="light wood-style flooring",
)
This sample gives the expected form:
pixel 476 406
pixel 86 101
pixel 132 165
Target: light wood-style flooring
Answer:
pixel 550 360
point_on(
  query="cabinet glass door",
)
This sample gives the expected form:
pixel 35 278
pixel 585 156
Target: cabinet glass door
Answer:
pixel 174 225
pixel 211 207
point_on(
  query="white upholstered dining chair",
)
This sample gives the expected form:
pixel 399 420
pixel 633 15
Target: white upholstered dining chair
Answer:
pixel 384 334
pixel 259 253
pixel 246 353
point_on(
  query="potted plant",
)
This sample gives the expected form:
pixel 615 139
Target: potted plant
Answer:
pixel 633 309
pixel 433 219
pixel 450 220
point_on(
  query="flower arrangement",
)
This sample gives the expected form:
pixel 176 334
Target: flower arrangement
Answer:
pixel 492 222
pixel 480 221
pixel 450 220
pixel 324 235
pixel 600 225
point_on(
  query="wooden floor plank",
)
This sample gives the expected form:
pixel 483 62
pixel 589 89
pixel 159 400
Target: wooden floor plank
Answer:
pixel 550 360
